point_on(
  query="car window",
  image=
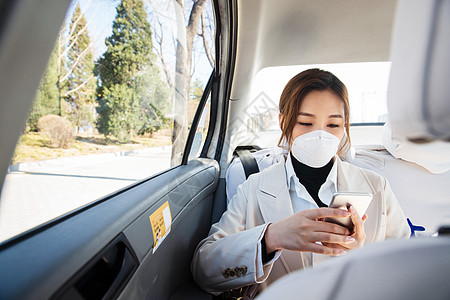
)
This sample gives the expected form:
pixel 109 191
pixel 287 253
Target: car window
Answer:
pixel 114 106
pixel 202 129
pixel 367 87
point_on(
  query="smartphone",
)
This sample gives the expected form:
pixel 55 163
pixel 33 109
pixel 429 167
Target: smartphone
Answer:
pixel 359 201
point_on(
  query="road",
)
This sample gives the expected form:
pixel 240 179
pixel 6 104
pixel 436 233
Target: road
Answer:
pixel 34 195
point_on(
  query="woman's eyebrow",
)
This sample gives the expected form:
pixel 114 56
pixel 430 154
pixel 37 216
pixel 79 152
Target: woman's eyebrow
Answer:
pixel 336 116
pixel 306 114
pixel 312 115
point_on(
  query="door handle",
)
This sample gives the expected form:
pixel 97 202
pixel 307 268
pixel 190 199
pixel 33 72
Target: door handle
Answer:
pixel 104 276
pixel 127 264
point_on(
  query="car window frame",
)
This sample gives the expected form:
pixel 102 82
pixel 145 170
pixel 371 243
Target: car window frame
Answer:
pixel 211 89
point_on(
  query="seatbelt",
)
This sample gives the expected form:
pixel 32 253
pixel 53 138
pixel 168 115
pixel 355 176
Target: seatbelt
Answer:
pixel 248 161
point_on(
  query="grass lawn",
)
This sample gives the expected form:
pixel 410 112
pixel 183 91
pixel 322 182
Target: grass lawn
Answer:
pixel 36 146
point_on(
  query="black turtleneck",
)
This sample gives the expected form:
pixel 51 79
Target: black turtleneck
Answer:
pixel 312 178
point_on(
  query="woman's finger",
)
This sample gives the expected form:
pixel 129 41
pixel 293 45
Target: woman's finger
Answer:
pixel 322 249
pixel 336 246
pixel 358 229
pixel 324 226
pixel 324 237
pixel 356 219
pixel 326 212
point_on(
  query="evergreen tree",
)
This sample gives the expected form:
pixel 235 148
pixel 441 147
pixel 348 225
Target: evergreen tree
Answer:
pixel 47 96
pixel 129 86
pixel 81 83
pixel 154 104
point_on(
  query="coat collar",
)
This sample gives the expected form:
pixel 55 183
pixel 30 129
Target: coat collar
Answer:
pixel 273 195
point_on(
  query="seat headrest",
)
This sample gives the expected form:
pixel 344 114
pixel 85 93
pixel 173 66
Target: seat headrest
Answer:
pixel 419 85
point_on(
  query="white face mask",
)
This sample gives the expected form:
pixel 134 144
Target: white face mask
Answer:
pixel 315 148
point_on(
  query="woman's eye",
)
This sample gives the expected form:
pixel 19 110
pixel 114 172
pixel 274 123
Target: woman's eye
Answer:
pixel 333 125
pixel 305 124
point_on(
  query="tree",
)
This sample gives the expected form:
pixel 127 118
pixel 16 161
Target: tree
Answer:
pixel 196 90
pixel 154 103
pixel 129 83
pixel 81 83
pixel 47 96
pixel 182 80
pixel 195 21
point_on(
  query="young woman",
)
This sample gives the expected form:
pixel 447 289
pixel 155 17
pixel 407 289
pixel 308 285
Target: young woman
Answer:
pixel 275 223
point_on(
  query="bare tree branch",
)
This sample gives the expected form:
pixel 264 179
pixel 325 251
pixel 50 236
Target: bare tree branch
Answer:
pixel 194 20
pixel 160 53
pixel 75 38
pixel 74 25
pixel 75 64
pixel 191 32
pixel 74 41
pixel 210 27
pixel 79 87
pixel 205 42
pixel 194 63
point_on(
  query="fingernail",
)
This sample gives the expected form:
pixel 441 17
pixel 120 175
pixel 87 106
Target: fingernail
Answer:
pixel 342 253
pixel 350 239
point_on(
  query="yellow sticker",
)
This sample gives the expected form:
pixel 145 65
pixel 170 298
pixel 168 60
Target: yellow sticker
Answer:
pixel 161 221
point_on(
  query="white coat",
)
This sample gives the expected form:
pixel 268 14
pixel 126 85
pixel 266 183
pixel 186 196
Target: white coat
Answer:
pixel 226 259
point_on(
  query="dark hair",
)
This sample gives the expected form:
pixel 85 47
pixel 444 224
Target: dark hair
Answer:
pixel 296 90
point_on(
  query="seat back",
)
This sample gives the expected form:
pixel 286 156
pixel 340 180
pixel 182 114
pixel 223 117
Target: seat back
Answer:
pixel 236 174
pixel 418 86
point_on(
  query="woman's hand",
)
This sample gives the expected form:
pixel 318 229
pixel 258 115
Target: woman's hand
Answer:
pixel 358 233
pixel 302 231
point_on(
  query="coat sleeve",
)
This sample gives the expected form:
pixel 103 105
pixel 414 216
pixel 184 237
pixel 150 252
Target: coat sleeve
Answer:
pixel 227 258
pixel 396 225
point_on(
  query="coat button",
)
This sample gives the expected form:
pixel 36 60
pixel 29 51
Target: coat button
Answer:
pixel 226 273
pixel 232 273
pixel 238 271
pixel 244 270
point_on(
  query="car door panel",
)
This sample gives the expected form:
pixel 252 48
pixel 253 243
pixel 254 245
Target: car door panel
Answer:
pixel 162 273
pixel 41 262
pixel 167 269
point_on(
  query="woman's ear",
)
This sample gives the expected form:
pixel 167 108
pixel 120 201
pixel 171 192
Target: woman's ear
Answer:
pixel 280 119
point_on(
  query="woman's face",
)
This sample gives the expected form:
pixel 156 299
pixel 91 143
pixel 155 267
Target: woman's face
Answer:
pixel 320 110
